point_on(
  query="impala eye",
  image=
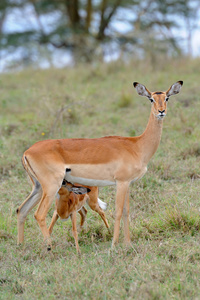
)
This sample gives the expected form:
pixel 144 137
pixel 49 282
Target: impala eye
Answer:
pixel 166 99
pixel 152 100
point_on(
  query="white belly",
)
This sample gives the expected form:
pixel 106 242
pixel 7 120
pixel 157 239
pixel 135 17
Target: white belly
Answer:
pixel 88 181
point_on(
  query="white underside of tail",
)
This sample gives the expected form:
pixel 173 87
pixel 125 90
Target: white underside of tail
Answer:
pixel 102 204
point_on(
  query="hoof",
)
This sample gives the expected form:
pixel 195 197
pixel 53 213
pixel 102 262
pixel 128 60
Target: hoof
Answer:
pixel 48 248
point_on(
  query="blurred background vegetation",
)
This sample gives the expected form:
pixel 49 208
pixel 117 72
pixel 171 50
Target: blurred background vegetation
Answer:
pixel 153 42
pixel 45 33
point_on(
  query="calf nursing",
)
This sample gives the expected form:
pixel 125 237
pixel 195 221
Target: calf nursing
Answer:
pixel 71 199
pixel 111 160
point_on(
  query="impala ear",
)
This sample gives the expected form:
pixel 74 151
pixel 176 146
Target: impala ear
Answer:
pixel 174 89
pixel 142 90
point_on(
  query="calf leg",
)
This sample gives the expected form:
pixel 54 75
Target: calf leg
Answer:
pixel 83 213
pixel 74 231
pixel 93 203
pixel 53 221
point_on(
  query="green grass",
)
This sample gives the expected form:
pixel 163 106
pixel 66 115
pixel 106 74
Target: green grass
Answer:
pixel 93 101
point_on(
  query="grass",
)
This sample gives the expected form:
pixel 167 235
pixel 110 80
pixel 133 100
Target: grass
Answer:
pixel 93 101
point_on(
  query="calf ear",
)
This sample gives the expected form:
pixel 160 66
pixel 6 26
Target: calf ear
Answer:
pixel 174 89
pixel 142 90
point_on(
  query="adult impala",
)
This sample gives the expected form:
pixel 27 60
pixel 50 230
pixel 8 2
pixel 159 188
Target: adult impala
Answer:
pixel 111 160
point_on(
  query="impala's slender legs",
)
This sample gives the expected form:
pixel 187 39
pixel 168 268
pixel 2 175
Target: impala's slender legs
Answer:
pixel 122 190
pixel 53 221
pixel 97 208
pixel 83 213
pixel 93 204
pixel 125 216
pixel 43 208
pixel 74 230
pixel 91 161
pixel 30 202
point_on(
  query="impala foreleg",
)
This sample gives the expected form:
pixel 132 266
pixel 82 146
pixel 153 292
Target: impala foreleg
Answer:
pixel 74 231
pixel 122 190
pixel 22 212
pixel 125 217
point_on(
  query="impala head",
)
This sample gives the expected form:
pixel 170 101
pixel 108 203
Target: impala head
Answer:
pixel 158 99
pixel 76 189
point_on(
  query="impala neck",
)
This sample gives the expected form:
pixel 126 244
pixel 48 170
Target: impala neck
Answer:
pixel 150 139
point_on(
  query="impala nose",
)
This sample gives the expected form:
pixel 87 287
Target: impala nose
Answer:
pixel 161 111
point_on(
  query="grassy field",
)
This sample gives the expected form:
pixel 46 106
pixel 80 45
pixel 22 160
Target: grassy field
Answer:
pixel 93 101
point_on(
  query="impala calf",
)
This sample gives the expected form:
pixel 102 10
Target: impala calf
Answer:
pixel 71 199
pixel 111 160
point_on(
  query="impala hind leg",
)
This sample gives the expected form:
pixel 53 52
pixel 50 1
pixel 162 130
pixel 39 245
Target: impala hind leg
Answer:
pixel 43 208
pixel 122 190
pixel 31 201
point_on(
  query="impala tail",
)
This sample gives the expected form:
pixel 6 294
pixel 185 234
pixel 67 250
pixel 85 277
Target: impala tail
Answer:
pixel 29 169
pixel 102 204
